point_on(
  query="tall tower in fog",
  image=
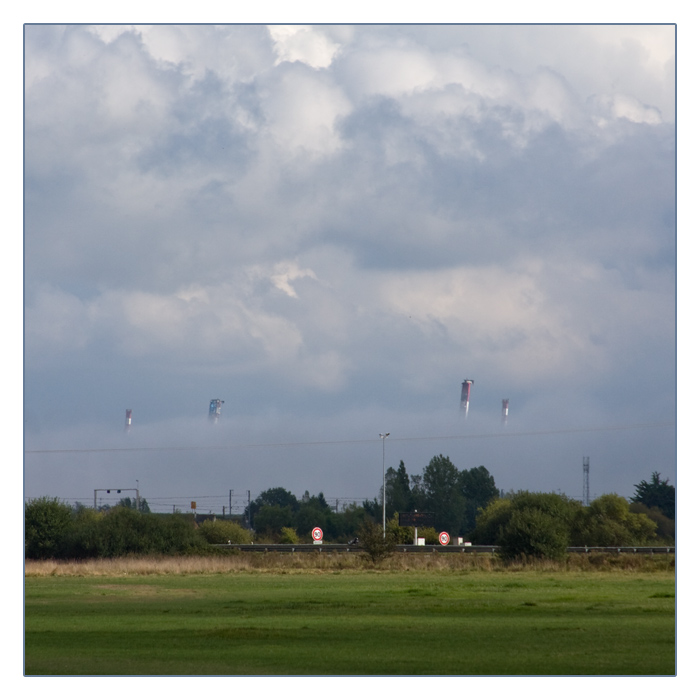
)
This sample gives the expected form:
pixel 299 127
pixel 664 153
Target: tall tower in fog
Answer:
pixel 466 391
pixel 215 410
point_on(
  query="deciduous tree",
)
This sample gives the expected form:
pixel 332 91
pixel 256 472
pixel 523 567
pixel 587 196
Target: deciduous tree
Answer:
pixel 270 519
pixel 528 524
pixel 608 522
pixel 277 496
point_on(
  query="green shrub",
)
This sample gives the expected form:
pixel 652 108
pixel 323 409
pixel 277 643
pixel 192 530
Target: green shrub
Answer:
pixel 126 531
pixel 373 542
pixel 289 536
pixel 430 534
pixel 531 532
pixel 529 524
pixel 54 530
pixel 84 539
pixel 400 535
pixel 490 521
pixel 557 505
pixel 46 522
pixel 223 532
pixel 609 522
pixel 405 535
pixel 665 527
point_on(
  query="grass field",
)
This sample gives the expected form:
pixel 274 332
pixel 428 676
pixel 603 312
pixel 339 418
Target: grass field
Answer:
pixel 348 621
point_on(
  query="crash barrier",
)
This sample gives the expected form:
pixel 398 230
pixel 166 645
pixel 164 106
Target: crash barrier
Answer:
pixel 423 549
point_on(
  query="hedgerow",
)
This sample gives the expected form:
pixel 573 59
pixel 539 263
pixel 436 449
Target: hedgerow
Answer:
pixel 53 530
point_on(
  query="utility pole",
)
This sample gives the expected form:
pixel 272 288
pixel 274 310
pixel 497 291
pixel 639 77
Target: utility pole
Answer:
pixel 230 492
pixel 383 436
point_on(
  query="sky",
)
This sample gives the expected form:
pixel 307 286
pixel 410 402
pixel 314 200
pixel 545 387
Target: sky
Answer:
pixel 330 227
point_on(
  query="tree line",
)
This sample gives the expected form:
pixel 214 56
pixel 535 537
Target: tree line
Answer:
pixel 464 502
pixel 454 497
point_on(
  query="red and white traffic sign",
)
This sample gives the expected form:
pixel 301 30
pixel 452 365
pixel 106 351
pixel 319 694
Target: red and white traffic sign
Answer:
pixel 317 534
pixel 444 538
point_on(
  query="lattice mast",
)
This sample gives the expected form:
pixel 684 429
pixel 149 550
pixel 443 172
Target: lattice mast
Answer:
pixel 586 484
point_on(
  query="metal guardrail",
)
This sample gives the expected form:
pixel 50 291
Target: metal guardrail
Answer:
pixel 624 550
pixel 426 549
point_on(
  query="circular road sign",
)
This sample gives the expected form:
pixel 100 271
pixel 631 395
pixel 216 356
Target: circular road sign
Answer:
pixel 444 538
pixel 317 534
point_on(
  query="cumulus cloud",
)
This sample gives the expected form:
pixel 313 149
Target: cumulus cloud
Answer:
pixel 301 108
pixel 303 43
pixel 287 272
pixel 326 218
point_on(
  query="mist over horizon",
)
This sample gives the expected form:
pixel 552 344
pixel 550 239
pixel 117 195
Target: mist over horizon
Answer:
pixel 339 455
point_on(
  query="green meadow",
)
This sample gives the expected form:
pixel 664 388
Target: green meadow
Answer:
pixel 348 622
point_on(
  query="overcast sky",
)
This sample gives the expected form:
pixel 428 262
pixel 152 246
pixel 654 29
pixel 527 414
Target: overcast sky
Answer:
pixel 330 228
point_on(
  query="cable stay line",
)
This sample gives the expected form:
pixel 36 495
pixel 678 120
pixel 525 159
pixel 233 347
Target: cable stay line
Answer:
pixel 240 446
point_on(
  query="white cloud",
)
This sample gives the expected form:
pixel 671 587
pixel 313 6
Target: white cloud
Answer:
pixel 624 107
pixel 501 318
pixel 306 44
pixel 287 272
pixel 200 324
pixel 301 108
pixel 109 32
pixel 654 45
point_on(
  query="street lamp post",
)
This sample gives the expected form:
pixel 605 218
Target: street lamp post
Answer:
pixel 383 436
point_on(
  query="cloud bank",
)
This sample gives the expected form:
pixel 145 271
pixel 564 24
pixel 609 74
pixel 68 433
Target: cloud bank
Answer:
pixel 335 225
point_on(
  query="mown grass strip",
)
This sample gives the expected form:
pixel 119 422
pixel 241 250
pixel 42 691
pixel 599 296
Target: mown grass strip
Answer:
pixel 353 622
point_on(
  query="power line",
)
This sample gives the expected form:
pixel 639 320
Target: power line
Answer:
pixel 189 497
pixel 213 504
pixel 473 436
